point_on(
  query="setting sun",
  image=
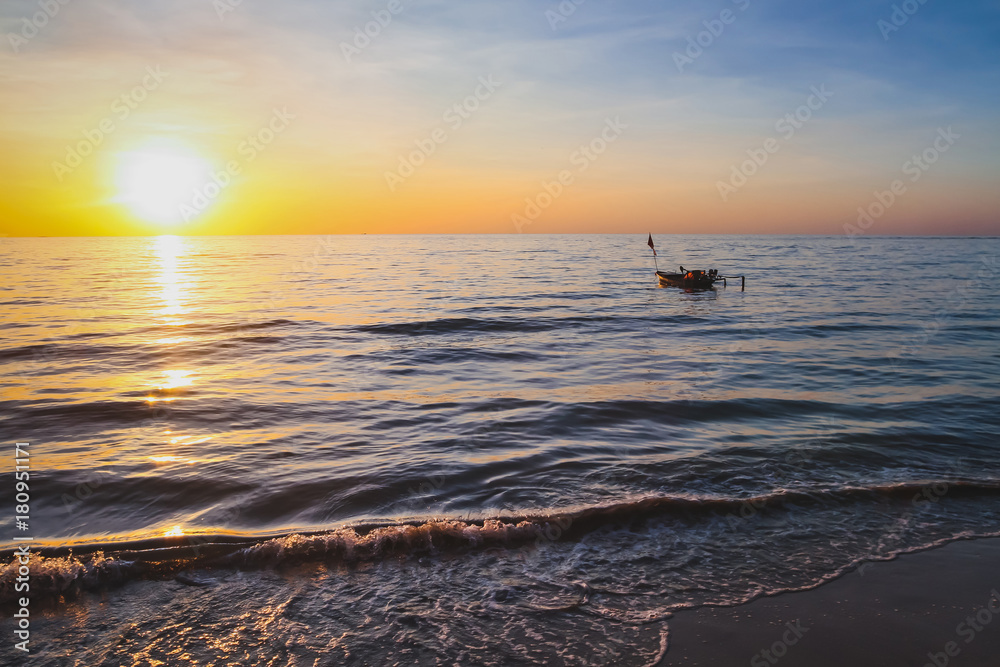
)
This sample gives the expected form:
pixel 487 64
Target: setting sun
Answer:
pixel 155 182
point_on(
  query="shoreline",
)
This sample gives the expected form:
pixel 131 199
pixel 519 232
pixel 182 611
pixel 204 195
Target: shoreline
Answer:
pixel 936 607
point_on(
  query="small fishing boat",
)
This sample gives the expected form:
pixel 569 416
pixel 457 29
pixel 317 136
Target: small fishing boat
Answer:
pixel 690 279
pixel 696 280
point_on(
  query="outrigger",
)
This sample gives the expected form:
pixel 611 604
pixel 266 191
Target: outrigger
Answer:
pixel 692 279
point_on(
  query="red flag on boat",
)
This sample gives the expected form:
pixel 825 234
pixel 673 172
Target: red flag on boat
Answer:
pixel 650 244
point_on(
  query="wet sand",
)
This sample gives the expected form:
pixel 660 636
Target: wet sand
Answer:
pixel 938 607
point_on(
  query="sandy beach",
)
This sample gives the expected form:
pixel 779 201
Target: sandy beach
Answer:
pixel 937 607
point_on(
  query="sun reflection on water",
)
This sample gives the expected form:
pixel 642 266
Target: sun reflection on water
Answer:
pixel 169 249
pixel 177 378
pixel 170 302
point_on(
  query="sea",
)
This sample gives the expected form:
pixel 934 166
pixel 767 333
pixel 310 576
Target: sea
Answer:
pixel 475 449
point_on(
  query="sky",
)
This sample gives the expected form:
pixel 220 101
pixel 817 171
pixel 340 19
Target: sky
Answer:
pixel 425 116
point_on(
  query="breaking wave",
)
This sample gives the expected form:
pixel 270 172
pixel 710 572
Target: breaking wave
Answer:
pixel 66 571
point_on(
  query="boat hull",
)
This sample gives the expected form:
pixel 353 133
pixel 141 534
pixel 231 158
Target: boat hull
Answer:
pixel 686 280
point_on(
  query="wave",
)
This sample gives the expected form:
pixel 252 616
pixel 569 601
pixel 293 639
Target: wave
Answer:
pixel 244 326
pixel 43 353
pixel 74 348
pixel 60 345
pixel 66 571
pixel 453 325
pixel 515 325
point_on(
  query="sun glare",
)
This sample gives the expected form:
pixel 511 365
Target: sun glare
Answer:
pixel 158 181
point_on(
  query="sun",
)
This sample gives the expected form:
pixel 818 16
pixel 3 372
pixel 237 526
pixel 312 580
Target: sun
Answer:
pixel 158 183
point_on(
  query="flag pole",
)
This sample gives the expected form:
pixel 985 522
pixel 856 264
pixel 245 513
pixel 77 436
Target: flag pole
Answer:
pixel 653 248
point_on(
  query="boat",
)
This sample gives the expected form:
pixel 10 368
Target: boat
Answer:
pixel 690 279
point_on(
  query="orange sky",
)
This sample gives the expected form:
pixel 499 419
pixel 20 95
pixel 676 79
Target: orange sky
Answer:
pixel 125 119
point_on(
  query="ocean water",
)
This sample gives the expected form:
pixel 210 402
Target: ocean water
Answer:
pixel 381 450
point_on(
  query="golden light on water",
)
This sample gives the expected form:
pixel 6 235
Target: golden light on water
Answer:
pixel 176 340
pixel 176 379
pixel 170 458
pixel 168 251
pixel 172 277
pixel 182 438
